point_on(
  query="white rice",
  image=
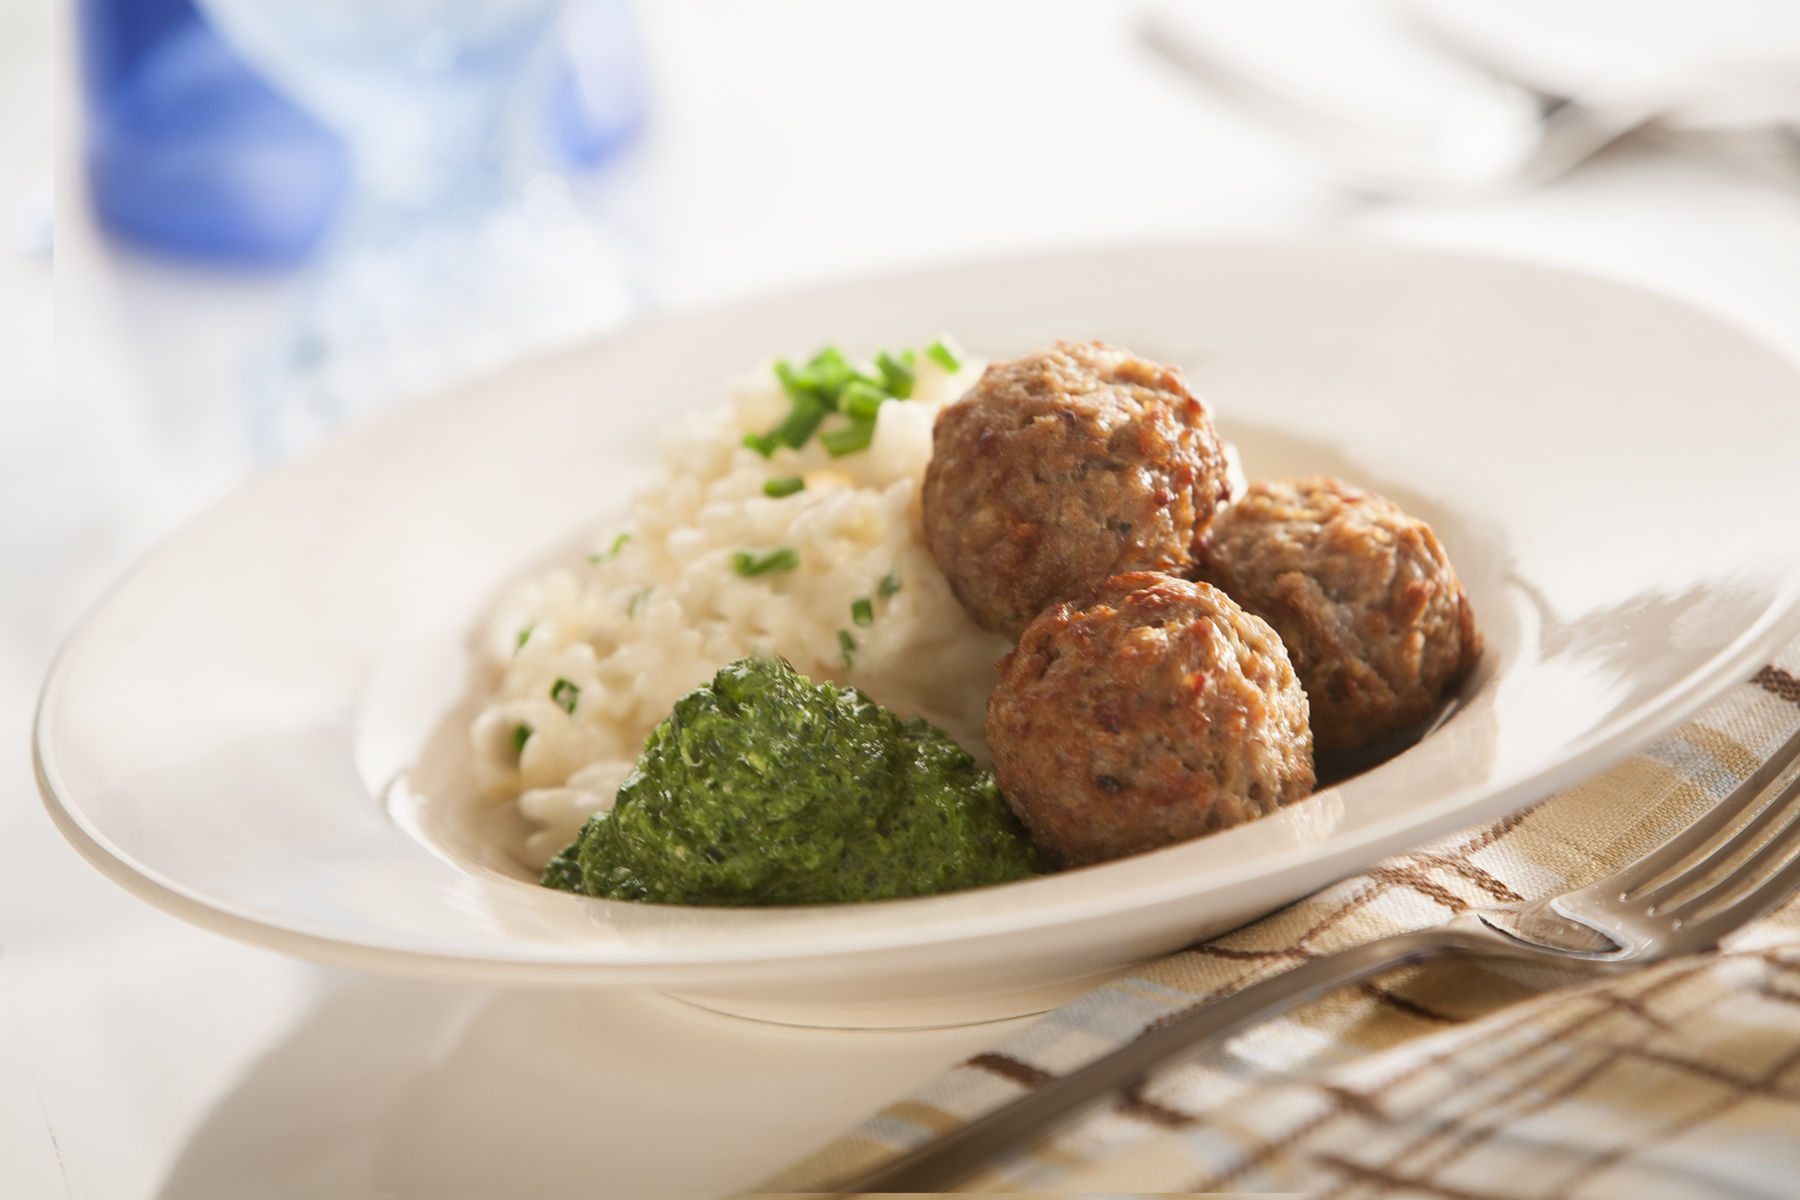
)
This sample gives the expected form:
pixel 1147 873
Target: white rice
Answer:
pixel 635 629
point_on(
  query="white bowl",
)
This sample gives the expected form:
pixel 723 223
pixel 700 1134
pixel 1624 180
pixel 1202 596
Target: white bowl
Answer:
pixel 259 728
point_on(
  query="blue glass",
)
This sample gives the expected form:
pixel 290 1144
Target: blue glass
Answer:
pixel 464 245
pixel 192 151
pixel 428 93
pixel 189 150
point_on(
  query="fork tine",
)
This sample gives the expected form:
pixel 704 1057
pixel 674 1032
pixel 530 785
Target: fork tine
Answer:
pixel 1772 815
pixel 1777 887
pixel 1658 870
pixel 1765 878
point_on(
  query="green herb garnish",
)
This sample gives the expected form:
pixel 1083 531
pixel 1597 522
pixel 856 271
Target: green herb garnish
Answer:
pixel 946 353
pixel 521 735
pixel 848 440
pixel 830 382
pixel 524 636
pixel 897 374
pixel 829 372
pixel 612 551
pixel 862 400
pixel 782 558
pixel 890 583
pixel 800 422
pixel 565 694
pixel 862 612
pixel 783 487
pixel 631 609
pixel 847 644
pixel 797 384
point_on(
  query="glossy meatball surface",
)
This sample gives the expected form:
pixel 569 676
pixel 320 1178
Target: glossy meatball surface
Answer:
pixel 1150 711
pixel 1363 595
pixel 1061 469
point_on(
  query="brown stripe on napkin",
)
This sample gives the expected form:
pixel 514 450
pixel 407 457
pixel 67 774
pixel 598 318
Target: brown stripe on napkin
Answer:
pixel 1474 874
pixel 1133 1103
pixel 1638 1009
pixel 1766 1084
pixel 1463 1137
pixel 1406 1184
pixel 1010 1068
pixel 1533 1092
pixel 1542 1085
pixel 1411 1008
pixel 1610 1158
pixel 1383 880
pixel 1773 679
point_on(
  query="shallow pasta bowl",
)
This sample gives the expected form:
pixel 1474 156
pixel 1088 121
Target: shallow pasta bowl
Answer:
pixel 261 728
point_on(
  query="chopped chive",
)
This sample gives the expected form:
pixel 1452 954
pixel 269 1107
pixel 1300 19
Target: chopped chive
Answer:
pixel 782 558
pixel 862 612
pixel 524 636
pixel 828 372
pixel 829 359
pixel 804 417
pixel 800 422
pixel 862 400
pixel 897 374
pixel 809 406
pixel 853 437
pixel 637 597
pixel 521 735
pixel 783 487
pixel 890 583
pixel 611 551
pixel 830 382
pixel 945 353
pixel 565 694
pixel 847 644
pixel 792 382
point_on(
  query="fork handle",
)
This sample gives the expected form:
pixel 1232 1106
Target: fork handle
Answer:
pixel 947 1160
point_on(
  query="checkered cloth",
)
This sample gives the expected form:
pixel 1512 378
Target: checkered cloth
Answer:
pixel 1455 1078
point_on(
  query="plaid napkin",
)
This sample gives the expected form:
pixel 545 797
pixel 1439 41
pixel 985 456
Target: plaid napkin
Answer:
pixel 1450 1079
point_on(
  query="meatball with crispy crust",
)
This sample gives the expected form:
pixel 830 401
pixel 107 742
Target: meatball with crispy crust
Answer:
pixel 1364 596
pixel 1150 711
pixel 1061 469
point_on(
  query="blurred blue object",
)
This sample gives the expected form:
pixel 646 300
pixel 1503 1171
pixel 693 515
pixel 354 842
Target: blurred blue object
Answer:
pixel 599 101
pixel 191 152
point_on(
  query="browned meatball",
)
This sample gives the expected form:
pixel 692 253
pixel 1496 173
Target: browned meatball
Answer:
pixel 1062 468
pixel 1364 596
pixel 1150 711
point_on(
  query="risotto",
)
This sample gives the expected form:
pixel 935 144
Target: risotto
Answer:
pixel 816 557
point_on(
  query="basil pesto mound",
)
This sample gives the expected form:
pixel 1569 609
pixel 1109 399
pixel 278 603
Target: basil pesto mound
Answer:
pixel 766 788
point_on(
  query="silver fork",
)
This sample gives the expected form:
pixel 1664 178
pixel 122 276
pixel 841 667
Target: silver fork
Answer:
pixel 1728 868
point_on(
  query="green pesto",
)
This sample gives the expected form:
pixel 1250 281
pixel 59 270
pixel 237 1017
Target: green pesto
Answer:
pixel 766 788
